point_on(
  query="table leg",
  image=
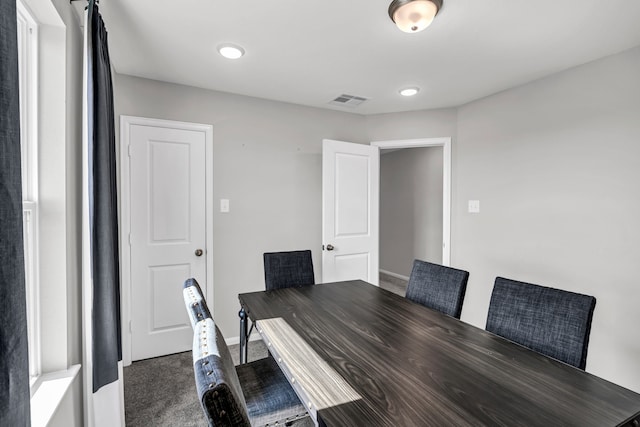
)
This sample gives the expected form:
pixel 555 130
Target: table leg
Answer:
pixel 244 349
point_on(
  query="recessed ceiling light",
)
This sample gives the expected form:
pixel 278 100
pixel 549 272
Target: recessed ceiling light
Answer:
pixel 410 91
pixel 230 51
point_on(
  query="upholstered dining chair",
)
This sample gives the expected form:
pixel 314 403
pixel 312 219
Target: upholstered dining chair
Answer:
pixel 281 270
pixel 248 395
pixel 553 322
pixel 287 269
pixel 438 287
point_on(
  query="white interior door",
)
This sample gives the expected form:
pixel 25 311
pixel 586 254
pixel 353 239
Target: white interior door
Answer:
pixel 167 234
pixel 350 198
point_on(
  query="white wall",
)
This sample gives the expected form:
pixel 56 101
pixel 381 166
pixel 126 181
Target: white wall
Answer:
pixel 413 125
pixel 554 164
pixel 556 167
pixel 267 162
pixel 410 208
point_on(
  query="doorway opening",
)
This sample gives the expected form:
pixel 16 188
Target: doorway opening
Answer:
pixel 414 207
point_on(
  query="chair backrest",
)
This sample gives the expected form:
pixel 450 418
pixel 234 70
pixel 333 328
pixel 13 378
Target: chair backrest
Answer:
pixel 550 321
pixel 195 302
pixel 288 269
pixel 438 287
pixel 217 381
pixel 216 378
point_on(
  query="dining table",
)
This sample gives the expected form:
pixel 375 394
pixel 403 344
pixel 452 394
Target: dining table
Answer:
pixel 359 355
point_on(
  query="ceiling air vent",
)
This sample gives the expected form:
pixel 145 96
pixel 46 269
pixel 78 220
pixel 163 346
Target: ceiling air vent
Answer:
pixel 350 101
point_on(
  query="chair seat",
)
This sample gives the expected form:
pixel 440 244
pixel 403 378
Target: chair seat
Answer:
pixel 269 396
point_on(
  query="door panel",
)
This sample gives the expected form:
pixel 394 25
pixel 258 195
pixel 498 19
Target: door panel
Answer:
pixel 167 188
pixel 162 297
pixel 350 191
pixel 169 202
pixel 352 208
pixel 352 265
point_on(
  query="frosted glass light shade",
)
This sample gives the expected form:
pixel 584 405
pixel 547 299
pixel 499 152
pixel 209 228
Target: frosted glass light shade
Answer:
pixel 412 16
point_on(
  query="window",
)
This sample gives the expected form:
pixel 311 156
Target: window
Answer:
pixel 27 68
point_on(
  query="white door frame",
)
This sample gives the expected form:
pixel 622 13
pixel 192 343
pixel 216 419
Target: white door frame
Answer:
pixel 125 215
pixel 445 143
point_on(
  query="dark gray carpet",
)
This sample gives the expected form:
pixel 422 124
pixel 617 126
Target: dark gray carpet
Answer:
pixel 161 392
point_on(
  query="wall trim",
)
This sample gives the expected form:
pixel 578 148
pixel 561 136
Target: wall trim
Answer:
pixel 255 336
pixel 396 275
pixel 445 143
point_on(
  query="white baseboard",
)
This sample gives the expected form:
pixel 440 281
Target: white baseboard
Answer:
pixel 396 275
pixel 255 336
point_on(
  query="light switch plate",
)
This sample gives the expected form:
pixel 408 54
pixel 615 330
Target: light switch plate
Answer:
pixel 474 206
pixel 224 205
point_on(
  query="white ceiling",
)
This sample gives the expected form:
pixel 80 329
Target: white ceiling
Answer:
pixel 310 51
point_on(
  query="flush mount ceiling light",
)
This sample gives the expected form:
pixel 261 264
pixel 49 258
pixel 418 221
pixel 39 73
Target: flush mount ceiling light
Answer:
pixel 409 91
pixel 412 16
pixel 230 51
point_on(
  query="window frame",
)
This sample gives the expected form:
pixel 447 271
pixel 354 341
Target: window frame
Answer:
pixel 28 81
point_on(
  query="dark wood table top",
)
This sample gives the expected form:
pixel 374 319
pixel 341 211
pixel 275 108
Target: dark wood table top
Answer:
pixel 402 364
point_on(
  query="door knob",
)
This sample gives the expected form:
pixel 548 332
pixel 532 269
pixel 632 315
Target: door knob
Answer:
pixel 199 252
pixel 330 247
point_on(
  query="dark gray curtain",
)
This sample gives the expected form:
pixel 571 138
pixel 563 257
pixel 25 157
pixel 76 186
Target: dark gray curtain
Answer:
pixel 14 361
pixel 103 212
